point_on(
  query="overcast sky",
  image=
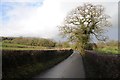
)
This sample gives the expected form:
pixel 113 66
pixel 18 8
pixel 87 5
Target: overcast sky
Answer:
pixel 40 18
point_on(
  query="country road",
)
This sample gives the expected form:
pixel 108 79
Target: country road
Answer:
pixel 72 67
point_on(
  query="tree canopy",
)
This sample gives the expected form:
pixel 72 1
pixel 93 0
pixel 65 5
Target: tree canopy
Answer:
pixel 83 23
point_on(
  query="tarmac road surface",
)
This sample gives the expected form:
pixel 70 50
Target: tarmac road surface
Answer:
pixel 72 67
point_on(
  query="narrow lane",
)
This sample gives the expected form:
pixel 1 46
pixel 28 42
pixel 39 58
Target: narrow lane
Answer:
pixel 72 67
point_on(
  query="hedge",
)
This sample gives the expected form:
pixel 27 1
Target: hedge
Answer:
pixel 26 63
pixel 101 65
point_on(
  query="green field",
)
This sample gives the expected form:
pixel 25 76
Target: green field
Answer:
pixel 11 46
pixel 108 47
pixel 22 43
pixel 109 50
pixel 29 43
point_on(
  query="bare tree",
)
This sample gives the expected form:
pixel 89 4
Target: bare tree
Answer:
pixel 84 22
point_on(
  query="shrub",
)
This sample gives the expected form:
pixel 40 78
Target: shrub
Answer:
pixel 26 63
pixel 102 65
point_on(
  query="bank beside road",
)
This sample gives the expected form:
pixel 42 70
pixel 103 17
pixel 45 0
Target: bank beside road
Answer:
pixel 24 64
